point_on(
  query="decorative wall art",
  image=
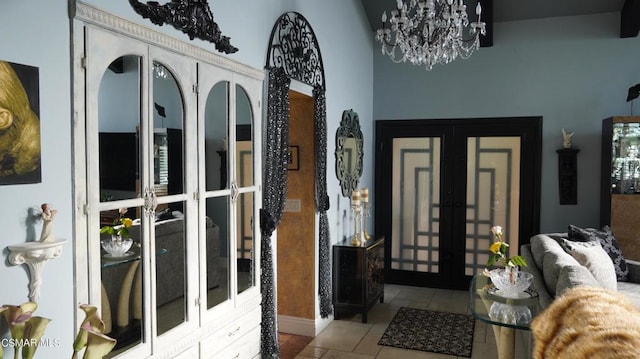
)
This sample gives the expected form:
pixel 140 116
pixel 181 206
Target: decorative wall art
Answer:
pixel 193 17
pixel 19 124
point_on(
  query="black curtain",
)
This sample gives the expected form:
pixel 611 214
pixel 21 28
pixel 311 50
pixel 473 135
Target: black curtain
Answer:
pixel 274 197
pixel 322 201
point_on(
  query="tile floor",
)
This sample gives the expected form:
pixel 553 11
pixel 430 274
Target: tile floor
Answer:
pixel 349 338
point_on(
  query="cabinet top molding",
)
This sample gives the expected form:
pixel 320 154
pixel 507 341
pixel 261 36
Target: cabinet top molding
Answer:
pixel 193 17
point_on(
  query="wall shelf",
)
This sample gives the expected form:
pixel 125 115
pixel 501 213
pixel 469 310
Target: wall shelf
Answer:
pixel 35 255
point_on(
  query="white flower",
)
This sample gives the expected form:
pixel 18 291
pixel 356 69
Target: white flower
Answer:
pixel 497 231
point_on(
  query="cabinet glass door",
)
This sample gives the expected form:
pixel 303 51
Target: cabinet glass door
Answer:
pixel 216 220
pixel 116 78
pixel 170 217
pixel 228 186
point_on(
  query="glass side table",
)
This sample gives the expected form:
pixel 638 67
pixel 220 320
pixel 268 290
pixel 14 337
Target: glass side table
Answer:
pixel 505 315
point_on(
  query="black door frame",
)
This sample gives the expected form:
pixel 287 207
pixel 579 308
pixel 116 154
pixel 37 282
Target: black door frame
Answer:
pixel 454 133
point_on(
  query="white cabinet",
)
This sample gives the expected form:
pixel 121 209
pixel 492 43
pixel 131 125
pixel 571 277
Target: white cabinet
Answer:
pixel 236 338
pixel 192 273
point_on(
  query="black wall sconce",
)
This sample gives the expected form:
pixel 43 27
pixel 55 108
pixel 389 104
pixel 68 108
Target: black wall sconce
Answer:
pixel 568 170
pixel 568 175
pixel 193 17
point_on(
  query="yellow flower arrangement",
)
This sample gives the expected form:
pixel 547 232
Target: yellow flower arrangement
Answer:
pixel 120 225
pixel 499 249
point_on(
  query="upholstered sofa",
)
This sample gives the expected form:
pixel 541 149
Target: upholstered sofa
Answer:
pixel 170 263
pixel 555 270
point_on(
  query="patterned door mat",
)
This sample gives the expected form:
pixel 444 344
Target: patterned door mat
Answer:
pixel 429 331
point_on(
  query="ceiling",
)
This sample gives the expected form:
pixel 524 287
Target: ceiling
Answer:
pixel 511 10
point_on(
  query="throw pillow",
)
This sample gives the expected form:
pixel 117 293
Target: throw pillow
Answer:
pixel 608 242
pixel 573 276
pixel 595 259
pixel 164 215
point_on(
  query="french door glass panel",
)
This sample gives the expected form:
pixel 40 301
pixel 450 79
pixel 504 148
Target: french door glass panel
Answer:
pixel 216 141
pixel 493 180
pixel 415 204
pixel 244 160
pixel 168 179
pixel 119 122
pixel 217 220
pixel 119 155
pixel 174 257
pixel 228 185
pixel 493 197
pixel 246 258
pixel 217 252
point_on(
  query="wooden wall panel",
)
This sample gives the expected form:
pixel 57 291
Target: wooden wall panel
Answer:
pixel 296 232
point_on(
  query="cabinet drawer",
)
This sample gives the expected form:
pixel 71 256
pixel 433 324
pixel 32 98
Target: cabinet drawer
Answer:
pixel 191 353
pixel 248 346
pixel 230 333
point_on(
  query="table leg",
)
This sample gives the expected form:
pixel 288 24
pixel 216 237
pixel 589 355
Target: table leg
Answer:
pixel 137 296
pixel 505 341
pixel 106 309
pixel 125 295
pixel 505 337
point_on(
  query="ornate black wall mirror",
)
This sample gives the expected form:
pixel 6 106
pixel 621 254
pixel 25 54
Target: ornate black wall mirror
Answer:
pixel 349 153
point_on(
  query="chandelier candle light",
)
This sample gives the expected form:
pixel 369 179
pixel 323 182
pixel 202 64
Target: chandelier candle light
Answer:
pixel 357 238
pixel 366 213
pixel 429 32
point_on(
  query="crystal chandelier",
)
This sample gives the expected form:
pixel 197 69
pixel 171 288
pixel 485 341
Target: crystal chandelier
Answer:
pixel 429 32
pixel 160 72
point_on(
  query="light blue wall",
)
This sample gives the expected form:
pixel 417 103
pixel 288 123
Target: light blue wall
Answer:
pixel 346 44
pixel 36 33
pixel 572 71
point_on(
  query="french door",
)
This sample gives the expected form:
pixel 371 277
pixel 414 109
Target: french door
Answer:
pixel 440 187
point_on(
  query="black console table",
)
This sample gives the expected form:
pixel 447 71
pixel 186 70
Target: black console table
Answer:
pixel 358 276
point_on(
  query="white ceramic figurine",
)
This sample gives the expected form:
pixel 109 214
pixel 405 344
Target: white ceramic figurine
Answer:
pixel 566 138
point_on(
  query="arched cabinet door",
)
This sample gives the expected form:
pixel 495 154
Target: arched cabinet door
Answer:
pixel 116 82
pixel 229 194
pixel 172 180
pixel 136 153
pixel 172 149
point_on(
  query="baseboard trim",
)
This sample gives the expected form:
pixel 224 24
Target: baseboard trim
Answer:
pixel 302 326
